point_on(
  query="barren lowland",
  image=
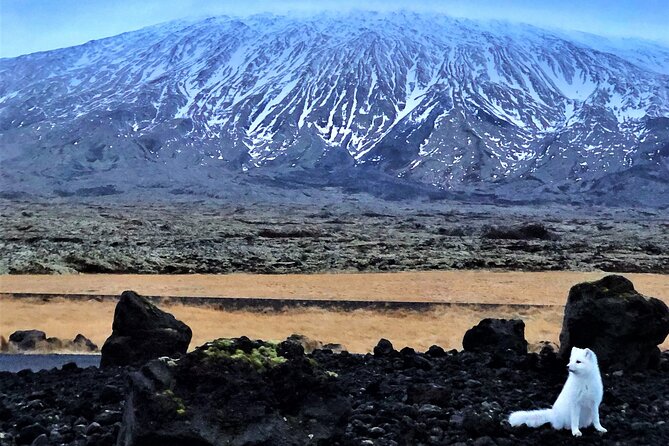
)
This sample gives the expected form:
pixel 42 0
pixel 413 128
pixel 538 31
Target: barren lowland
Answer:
pixel 433 307
pixel 351 234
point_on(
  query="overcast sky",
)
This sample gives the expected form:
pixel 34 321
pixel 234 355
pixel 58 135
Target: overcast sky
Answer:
pixel 27 26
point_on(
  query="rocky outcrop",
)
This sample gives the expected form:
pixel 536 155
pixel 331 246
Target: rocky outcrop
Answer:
pixel 36 341
pixel 26 339
pixel 610 317
pixel 234 391
pixel 141 332
pixel 496 336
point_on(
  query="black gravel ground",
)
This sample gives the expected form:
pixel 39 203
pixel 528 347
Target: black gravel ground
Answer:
pixel 386 398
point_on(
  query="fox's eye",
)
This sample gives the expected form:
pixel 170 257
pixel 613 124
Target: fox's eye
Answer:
pixel 578 361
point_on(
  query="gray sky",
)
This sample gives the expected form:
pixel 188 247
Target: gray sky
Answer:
pixel 28 26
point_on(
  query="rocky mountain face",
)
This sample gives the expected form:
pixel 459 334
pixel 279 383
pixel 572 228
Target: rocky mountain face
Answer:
pixel 396 104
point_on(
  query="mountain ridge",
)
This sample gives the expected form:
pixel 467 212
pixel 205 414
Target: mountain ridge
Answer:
pixel 429 102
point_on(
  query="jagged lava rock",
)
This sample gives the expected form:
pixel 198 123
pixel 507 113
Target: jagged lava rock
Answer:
pixel 141 331
pixel 496 336
pixel 610 317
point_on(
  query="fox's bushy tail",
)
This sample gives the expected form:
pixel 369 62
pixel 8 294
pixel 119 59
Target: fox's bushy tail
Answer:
pixel 532 418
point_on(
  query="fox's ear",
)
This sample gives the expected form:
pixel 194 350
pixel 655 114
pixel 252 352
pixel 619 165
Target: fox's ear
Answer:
pixel 588 353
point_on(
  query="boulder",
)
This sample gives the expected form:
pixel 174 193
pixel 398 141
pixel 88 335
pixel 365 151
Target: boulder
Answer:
pixel 26 339
pixel 384 348
pixel 435 351
pixel 496 336
pixel 620 325
pixel 82 344
pixel 141 331
pixel 308 344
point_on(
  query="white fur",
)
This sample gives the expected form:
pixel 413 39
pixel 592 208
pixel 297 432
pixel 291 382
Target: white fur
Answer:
pixel 577 406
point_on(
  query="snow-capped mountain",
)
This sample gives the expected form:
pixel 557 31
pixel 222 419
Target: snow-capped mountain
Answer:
pixel 442 103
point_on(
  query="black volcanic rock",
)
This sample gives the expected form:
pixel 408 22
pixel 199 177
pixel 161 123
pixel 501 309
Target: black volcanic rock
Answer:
pixel 54 402
pixel 496 336
pixel 26 339
pixel 384 348
pixel 428 393
pixel 141 331
pixel 30 433
pixel 620 325
pixel 239 392
pixel 82 343
pixel 435 351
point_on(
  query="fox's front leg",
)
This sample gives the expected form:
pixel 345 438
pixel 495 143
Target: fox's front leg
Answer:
pixel 575 413
pixel 595 420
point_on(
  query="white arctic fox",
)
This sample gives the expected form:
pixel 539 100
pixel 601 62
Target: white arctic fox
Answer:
pixel 578 404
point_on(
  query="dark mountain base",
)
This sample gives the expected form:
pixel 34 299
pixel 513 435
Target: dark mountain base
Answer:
pixel 391 398
pixel 327 233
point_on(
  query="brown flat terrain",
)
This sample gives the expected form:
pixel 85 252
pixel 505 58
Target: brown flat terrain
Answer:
pixel 536 288
pixel 358 330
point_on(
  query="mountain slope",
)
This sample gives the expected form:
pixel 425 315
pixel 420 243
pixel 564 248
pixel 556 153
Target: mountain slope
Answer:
pixel 429 101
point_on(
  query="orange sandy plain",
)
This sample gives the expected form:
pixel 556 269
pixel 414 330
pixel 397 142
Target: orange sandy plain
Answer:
pixel 358 330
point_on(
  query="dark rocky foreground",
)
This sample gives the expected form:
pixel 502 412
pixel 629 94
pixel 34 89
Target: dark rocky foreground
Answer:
pixel 353 233
pixel 279 396
pixel 68 406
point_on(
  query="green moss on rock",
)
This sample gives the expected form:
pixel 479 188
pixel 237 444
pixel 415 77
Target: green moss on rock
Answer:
pixel 261 357
pixel 178 403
